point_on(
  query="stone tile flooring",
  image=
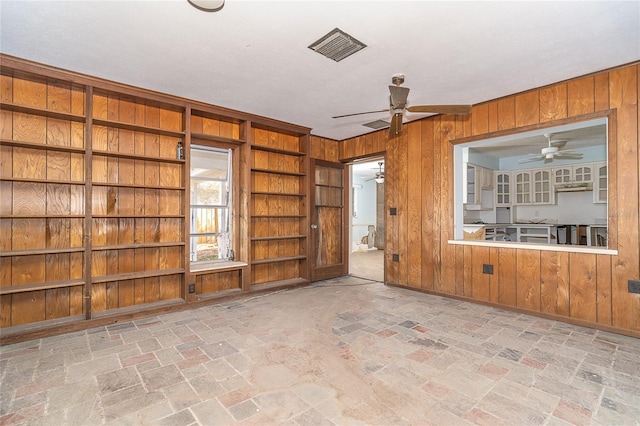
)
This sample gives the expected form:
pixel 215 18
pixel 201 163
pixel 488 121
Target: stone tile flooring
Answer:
pixel 341 352
pixel 367 264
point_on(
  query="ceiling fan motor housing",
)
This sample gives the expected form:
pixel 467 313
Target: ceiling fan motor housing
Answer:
pixel 397 79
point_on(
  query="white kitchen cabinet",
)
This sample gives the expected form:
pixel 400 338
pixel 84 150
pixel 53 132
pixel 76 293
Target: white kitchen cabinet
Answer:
pixel 583 173
pixel 473 192
pixel 578 173
pixel 562 175
pixel 542 189
pixel 477 179
pixel 601 183
pixel 533 187
pixel 523 187
pixel 487 177
pixel 502 185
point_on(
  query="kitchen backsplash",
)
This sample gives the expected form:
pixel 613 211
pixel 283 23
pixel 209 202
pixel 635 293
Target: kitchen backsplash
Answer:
pixel 571 207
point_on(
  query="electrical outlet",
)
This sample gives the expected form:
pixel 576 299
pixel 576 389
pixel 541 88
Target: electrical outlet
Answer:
pixel 634 286
pixel 192 288
pixel 487 269
pixel 395 257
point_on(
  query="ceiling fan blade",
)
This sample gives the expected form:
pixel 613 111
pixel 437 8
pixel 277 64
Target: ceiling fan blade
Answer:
pixel 441 109
pixel 398 96
pixel 396 124
pixel 532 159
pixel 361 113
pixel 569 156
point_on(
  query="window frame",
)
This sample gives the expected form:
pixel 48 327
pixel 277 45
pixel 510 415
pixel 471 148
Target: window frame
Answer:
pixel 457 194
pixel 233 206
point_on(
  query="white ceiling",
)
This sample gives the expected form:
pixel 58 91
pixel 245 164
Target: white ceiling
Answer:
pixel 252 56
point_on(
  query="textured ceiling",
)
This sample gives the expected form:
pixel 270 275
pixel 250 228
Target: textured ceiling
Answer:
pixel 252 56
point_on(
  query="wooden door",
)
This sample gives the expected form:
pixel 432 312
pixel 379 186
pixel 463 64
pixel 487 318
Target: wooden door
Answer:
pixel 328 219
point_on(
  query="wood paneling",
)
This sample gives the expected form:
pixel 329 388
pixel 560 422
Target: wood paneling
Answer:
pixel 325 149
pixel 623 92
pixel 554 282
pixel 590 289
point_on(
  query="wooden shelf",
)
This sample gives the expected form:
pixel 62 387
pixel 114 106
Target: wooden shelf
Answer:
pixel 277 259
pixel 214 138
pixel 137 216
pixel 133 156
pixel 207 268
pixel 278 172
pixel 141 186
pixel 43 216
pixel 278 150
pixel 277 216
pixel 284 194
pixel 33 252
pixel 138 128
pixel 40 286
pixel 7 106
pixel 135 246
pixel 57 182
pixel 34 145
pixel 281 237
pixel 136 275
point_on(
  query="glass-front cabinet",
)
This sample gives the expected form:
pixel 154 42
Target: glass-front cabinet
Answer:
pixel 601 183
pixel 542 187
pixel 523 187
pixel 503 188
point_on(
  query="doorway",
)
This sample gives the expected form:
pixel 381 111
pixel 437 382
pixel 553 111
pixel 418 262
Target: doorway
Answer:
pixel 366 230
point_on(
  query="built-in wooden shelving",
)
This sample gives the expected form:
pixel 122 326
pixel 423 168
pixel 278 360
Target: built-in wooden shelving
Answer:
pixel 96 199
pixel 279 226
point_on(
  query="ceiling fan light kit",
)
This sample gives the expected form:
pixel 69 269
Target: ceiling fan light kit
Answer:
pixel 207 5
pixel 379 177
pixel 398 106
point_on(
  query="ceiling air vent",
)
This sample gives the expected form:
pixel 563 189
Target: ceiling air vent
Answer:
pixel 377 125
pixel 337 45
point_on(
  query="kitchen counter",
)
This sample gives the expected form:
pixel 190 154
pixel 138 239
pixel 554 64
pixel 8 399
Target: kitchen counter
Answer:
pixel 542 233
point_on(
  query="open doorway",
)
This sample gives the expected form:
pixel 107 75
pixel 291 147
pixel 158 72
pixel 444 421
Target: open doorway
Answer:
pixel 366 259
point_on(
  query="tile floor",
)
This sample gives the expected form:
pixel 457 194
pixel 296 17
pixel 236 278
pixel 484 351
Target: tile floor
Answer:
pixel 367 264
pixel 348 351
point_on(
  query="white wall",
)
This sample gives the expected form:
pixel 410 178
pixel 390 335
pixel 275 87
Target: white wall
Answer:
pixel 365 207
pixel 571 208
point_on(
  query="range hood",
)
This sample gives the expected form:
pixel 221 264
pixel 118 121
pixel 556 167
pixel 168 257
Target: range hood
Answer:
pixel 574 187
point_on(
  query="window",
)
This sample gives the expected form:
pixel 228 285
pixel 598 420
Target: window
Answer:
pixel 210 195
pixel 546 186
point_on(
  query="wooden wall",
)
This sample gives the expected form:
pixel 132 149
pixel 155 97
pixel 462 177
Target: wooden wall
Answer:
pixel 588 289
pixel 324 149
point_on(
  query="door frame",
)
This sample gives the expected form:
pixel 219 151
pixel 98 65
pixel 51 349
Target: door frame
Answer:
pixel 338 270
pixel 369 159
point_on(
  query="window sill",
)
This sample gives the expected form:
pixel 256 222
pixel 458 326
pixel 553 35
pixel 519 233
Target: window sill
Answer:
pixel 208 267
pixel 541 247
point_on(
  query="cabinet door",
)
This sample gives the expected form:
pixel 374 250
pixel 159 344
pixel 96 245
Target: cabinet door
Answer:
pixel 542 186
pixel 474 182
pixel 583 173
pixel 503 188
pixel 600 190
pixel 523 188
pixel 562 175
pixel 487 178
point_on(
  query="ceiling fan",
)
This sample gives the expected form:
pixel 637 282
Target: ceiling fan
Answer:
pixel 552 151
pixel 398 105
pixel 379 177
